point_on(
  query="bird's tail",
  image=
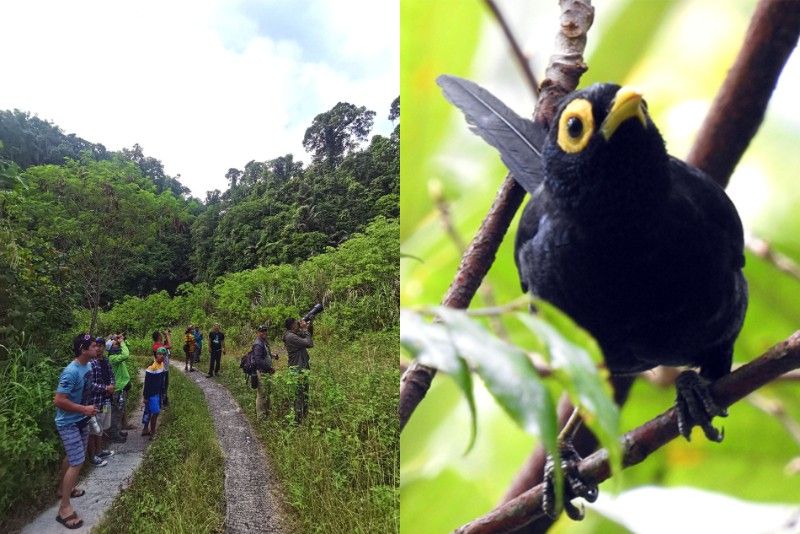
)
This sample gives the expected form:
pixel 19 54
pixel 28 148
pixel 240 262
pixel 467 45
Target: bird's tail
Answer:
pixel 518 140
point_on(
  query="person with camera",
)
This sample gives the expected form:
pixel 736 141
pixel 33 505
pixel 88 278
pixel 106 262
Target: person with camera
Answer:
pixel 72 418
pixel 216 346
pixel 264 368
pixel 298 339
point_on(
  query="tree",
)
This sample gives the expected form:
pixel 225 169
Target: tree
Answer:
pixel 285 167
pixel 394 110
pixel 334 133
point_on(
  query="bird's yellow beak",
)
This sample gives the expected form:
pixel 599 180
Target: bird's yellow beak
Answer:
pixel 627 104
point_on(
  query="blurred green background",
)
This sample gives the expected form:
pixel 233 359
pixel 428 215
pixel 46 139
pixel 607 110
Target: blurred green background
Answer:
pixel 678 53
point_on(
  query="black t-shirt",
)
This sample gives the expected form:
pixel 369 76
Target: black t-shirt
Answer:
pixel 215 341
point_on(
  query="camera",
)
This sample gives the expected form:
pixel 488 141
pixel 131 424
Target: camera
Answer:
pixel 313 312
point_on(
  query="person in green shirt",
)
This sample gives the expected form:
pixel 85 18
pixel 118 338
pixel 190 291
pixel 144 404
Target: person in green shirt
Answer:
pixel 118 355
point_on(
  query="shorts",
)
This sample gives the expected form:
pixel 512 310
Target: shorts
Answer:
pixel 103 417
pixel 154 404
pixel 74 440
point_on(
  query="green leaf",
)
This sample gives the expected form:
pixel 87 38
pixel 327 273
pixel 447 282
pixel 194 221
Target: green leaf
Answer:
pixel 431 345
pixel 570 350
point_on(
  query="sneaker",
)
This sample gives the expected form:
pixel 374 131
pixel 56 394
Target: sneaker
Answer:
pixel 209 376
pixel 98 462
pixel 105 453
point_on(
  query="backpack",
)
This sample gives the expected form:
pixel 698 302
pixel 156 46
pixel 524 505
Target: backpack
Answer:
pixel 248 363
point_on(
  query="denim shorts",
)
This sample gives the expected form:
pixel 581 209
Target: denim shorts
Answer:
pixel 74 440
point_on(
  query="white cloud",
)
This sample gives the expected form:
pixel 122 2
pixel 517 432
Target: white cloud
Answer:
pixel 199 85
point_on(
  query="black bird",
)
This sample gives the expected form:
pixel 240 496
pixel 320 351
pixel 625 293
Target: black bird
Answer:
pixel 641 249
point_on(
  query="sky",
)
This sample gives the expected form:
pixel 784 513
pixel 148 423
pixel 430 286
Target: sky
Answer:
pixel 204 85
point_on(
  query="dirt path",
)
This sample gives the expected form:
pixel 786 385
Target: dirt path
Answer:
pixel 102 484
pixel 253 502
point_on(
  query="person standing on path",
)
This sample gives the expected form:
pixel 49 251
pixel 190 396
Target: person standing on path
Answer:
pixel 71 419
pixel 216 346
pixel 151 392
pixel 163 340
pixel 118 355
pixel 198 343
pixel 264 368
pixel 298 339
pixel 188 348
pixel 101 390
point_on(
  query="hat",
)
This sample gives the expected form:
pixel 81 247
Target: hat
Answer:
pixel 262 328
pixel 161 350
pixel 100 341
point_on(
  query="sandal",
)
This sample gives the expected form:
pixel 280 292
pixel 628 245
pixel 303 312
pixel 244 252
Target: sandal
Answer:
pixel 72 516
pixel 75 493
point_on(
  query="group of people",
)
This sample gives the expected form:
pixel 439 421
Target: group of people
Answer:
pixel 297 338
pixel 90 411
pixel 91 394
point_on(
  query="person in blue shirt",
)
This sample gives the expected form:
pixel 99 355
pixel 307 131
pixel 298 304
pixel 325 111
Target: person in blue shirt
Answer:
pixel 198 343
pixel 71 422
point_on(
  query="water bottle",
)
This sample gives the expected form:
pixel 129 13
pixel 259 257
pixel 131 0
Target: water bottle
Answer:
pixel 94 426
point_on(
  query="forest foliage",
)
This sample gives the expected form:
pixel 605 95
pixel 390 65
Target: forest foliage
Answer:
pixel 83 226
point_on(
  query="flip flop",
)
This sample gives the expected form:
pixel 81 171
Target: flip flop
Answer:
pixel 64 520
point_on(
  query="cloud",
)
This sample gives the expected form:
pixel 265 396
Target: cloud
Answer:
pixel 203 86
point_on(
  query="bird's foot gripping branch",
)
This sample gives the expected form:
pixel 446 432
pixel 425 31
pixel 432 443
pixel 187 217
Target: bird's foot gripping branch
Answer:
pixel 639 443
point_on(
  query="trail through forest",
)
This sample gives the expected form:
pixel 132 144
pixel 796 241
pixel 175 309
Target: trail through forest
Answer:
pixel 252 495
pixel 102 484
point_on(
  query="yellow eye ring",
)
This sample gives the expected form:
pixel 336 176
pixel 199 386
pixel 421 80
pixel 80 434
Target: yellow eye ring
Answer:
pixel 575 126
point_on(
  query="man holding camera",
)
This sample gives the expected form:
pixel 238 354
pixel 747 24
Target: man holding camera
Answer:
pixel 298 339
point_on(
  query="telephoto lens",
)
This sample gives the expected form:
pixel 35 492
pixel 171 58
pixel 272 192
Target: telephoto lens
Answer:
pixel 313 312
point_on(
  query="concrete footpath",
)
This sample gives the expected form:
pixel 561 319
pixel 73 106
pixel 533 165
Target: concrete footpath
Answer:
pixel 254 503
pixel 102 484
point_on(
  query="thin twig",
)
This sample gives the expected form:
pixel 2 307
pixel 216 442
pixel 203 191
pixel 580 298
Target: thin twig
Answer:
pixel 522 60
pixel 764 250
pixel 561 78
pixel 742 101
pixel 639 443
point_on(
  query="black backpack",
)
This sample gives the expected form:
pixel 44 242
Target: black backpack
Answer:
pixel 248 363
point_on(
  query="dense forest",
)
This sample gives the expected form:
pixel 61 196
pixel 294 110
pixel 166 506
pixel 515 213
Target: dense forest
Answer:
pixel 81 226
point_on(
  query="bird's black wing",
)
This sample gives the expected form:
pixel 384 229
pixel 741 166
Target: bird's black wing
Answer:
pixel 518 140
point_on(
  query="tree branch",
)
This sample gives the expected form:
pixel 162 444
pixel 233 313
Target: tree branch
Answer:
pixel 742 101
pixel 639 443
pixel 562 75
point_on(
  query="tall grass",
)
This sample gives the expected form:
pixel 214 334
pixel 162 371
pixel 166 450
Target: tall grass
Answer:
pixel 340 467
pixel 179 487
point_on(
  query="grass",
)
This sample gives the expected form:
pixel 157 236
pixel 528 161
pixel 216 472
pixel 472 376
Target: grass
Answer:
pixel 179 485
pixel 340 467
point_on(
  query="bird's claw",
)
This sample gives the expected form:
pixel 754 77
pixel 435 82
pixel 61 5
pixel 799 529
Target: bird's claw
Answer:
pixel 574 485
pixel 696 407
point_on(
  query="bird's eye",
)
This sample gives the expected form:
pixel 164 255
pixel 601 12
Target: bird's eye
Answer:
pixel 575 126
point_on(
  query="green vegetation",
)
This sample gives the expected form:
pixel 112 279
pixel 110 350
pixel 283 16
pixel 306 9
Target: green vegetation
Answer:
pixel 340 466
pixel 179 486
